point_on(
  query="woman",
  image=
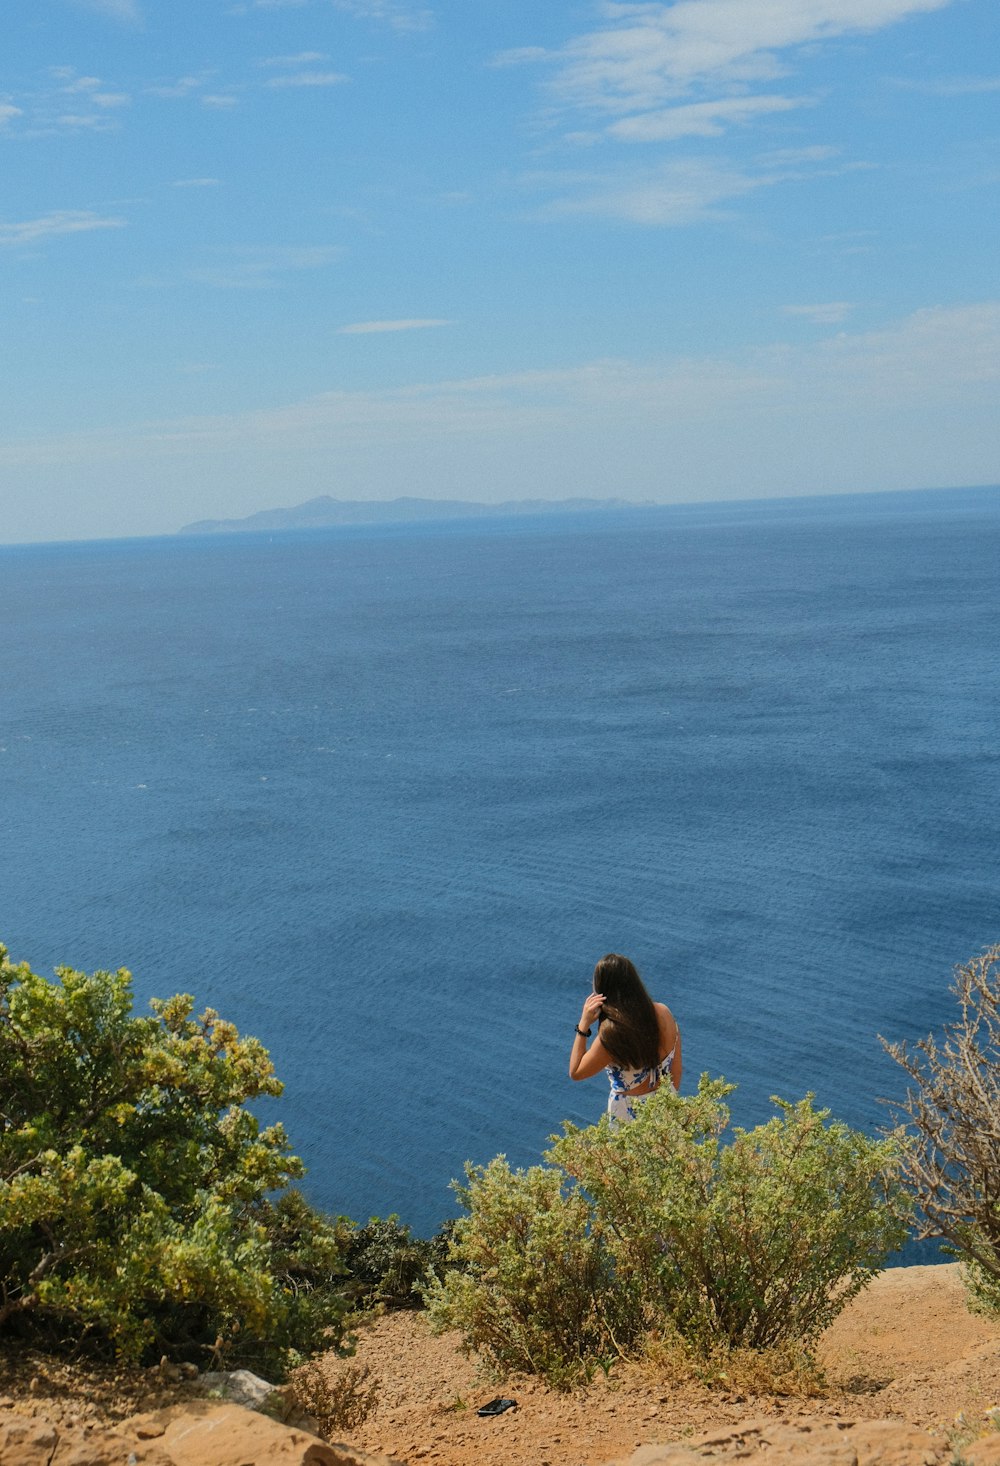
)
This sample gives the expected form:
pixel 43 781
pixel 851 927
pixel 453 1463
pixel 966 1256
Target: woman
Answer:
pixel 638 1041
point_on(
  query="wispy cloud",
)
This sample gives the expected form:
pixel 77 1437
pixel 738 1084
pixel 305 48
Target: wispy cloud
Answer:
pixel 950 86
pixel 126 10
pixel 798 157
pixel 261 267
pixel 369 328
pixel 303 58
pixel 850 410
pixel 195 183
pixel 308 79
pixel 676 192
pixel 79 83
pixel 654 72
pixel 673 194
pixel 829 314
pixel 62 221
pixel 698 119
pixel 651 52
pixel 184 86
pixel 401 15
pixel 65 102
pixel 80 121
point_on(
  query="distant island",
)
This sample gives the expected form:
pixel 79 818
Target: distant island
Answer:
pixel 326 511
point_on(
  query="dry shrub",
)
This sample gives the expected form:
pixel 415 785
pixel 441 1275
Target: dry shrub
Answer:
pixel 952 1162
pixel 338 1397
pixel 783 1369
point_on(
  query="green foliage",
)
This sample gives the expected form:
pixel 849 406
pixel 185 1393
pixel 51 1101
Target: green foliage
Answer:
pixel 136 1187
pixel 658 1228
pixel 951 1163
pixel 534 1287
pixel 390 1267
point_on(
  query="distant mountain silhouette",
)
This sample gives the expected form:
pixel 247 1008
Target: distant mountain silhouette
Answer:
pixel 316 513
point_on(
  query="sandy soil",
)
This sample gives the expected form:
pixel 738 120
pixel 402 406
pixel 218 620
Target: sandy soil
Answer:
pixel 907 1349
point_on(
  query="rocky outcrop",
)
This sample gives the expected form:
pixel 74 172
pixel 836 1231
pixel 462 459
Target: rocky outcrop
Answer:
pixel 199 1433
pixel 811 1443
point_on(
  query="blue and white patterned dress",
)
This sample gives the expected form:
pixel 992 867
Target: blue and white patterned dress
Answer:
pixel 621 1104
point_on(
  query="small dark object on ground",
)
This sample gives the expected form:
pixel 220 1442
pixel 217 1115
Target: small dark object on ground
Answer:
pixel 497 1406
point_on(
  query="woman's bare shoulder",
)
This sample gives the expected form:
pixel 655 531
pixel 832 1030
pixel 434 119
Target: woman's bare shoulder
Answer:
pixel 667 1021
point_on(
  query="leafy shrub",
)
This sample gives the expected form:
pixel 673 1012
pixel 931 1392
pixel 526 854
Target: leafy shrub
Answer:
pixel 390 1267
pixel 659 1228
pixel 534 1288
pixel 952 1164
pixel 136 1189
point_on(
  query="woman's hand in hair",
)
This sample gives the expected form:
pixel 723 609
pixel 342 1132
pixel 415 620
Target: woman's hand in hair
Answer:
pixel 592 1010
pixel 583 1061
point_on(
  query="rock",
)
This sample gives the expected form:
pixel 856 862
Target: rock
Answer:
pixel 239 1387
pixel 200 1433
pixel 26 1442
pixel 985 1452
pixel 813 1442
pixel 207 1433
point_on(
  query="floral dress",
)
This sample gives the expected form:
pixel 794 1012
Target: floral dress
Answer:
pixel 622 1104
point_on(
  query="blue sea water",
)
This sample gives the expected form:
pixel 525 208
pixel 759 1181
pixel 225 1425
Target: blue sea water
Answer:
pixel 382 797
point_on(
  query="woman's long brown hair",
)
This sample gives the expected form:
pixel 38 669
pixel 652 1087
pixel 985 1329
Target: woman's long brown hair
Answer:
pixel 630 1029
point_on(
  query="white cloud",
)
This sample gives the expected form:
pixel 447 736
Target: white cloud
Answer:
pixel 368 328
pixel 518 55
pixel 795 157
pixel 952 86
pixel 676 191
pixel 79 120
pixel 308 79
pixel 304 58
pixel 8 112
pixel 652 52
pixel 261 267
pixel 195 183
pixel 63 221
pixel 698 119
pixel 673 194
pixel 221 101
pixel 111 99
pixel 829 314
pixel 184 86
pixel 399 14
pixel 126 10
pixel 657 71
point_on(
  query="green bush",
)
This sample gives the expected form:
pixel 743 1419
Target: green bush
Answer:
pixel 534 1289
pixel 139 1200
pixel 390 1267
pixel 657 1227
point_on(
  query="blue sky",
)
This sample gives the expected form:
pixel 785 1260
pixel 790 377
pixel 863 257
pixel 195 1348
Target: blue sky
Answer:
pixel 258 250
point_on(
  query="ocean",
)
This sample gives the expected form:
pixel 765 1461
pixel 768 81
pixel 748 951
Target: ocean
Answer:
pixel 383 796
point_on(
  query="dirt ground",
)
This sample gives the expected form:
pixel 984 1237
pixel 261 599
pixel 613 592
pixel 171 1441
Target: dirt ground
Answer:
pixel 906 1349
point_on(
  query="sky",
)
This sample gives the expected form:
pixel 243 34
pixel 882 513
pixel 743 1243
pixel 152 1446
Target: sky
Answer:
pixel 253 251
